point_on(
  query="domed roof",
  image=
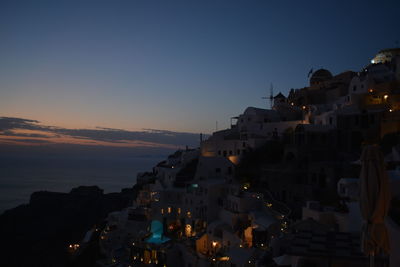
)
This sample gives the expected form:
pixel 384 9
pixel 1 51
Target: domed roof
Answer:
pixel 390 50
pixel 385 55
pixel 320 76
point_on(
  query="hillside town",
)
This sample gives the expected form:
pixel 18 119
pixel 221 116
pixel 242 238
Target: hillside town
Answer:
pixel 280 187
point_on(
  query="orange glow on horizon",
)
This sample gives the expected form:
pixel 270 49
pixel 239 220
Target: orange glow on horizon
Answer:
pixel 49 138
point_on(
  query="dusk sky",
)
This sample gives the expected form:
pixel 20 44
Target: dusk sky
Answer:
pixel 175 65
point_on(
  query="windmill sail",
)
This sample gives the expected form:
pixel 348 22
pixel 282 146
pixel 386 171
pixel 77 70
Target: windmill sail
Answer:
pixel 310 72
pixel 270 97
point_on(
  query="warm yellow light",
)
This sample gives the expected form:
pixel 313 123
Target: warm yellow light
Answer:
pixel 385 97
pixel 303 107
pixel 214 244
pixel 179 210
pixel 390 110
pixel 292 104
pixel 74 246
pixel 188 230
pixel 169 209
pixel 370 90
pixel 246 186
pixel 188 214
pixel 162 211
pixel 234 159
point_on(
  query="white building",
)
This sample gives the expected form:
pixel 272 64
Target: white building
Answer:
pixel 252 130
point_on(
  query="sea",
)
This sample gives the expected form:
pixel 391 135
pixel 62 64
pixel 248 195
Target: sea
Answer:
pixel 20 176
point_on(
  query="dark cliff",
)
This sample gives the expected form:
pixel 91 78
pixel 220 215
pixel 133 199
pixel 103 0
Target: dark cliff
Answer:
pixel 38 234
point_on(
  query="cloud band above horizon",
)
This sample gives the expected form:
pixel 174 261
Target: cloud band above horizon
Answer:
pixel 20 131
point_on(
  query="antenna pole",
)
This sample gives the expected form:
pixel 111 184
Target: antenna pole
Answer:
pixel 271 95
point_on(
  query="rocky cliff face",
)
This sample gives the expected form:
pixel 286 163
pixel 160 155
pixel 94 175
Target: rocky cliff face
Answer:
pixel 38 234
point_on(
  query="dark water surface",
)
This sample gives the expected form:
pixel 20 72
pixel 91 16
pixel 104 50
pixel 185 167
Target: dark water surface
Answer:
pixel 20 176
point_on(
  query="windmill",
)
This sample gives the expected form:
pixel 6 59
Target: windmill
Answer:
pixel 270 97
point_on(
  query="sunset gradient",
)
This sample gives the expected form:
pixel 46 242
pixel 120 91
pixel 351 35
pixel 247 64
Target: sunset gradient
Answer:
pixel 174 65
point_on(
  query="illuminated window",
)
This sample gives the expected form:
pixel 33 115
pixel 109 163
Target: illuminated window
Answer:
pixel 179 210
pixel 189 214
pixel 162 211
pixel 169 209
